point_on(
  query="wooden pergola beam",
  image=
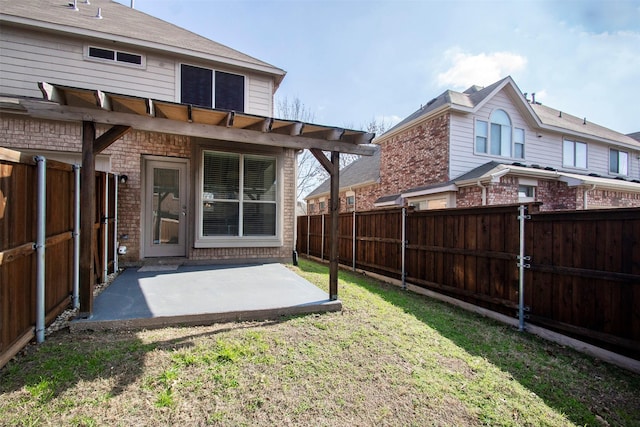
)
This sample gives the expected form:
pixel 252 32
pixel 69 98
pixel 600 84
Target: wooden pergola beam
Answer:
pixel 333 168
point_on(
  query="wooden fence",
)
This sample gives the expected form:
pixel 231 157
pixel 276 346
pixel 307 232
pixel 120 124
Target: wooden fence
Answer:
pixel 582 277
pixel 18 256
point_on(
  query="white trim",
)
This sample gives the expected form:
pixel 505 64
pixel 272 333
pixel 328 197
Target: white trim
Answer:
pixel 87 57
pixel 435 190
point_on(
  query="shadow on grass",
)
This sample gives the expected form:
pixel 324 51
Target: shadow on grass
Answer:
pixel 581 387
pixel 64 360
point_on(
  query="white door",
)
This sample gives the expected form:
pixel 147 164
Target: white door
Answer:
pixel 165 214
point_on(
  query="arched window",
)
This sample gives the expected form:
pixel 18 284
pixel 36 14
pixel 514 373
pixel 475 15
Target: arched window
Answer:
pixel 498 138
pixel 500 134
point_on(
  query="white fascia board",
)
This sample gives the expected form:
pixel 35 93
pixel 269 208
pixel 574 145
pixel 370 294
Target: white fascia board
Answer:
pixel 145 44
pixel 574 180
pixel 584 135
pixel 426 192
pixel 499 171
pixel 385 204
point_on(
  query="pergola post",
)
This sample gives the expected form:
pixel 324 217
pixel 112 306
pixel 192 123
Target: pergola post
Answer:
pixel 91 146
pixel 333 168
pixel 87 218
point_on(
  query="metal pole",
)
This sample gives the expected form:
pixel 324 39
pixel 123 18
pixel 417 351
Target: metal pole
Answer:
pixel 116 185
pixel 322 241
pixel 404 247
pixel 353 249
pixel 40 246
pixel 105 232
pixel 76 239
pixel 521 266
pixel 308 233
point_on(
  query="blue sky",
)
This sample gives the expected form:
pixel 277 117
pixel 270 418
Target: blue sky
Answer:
pixel 353 61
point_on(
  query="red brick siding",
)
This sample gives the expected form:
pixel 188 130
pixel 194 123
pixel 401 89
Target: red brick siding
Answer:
pixel 611 199
pixel 126 158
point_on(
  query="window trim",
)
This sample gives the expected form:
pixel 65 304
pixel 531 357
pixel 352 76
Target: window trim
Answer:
pixel 618 173
pixel 574 165
pixel 202 241
pixel 178 90
pixel 88 57
pixel 487 137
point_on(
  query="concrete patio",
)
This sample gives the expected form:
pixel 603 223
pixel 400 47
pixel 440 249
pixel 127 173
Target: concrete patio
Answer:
pixel 172 295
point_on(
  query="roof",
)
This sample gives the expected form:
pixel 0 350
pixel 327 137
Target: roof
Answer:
pixel 75 104
pixel 120 23
pixel 544 117
pixel 635 135
pixel 363 171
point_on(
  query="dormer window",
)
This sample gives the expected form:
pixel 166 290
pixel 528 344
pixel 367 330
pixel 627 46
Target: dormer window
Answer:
pixel 115 56
pixel 498 138
pixel 211 89
pixel 618 162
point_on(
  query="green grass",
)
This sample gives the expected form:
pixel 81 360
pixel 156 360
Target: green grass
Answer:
pixel 389 358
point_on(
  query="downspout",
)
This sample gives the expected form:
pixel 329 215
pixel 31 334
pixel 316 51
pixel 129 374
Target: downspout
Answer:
pixel 76 239
pixel 584 196
pixel 116 181
pixel 40 246
pixel 484 192
pixel 105 232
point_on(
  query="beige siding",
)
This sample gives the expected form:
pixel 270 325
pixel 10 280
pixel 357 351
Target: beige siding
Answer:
pixel 541 147
pixel 28 57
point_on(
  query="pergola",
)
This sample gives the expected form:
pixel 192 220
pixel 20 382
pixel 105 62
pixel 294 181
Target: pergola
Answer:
pixel 124 113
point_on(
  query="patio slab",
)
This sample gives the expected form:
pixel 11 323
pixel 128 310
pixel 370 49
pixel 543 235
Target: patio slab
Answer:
pixel 197 295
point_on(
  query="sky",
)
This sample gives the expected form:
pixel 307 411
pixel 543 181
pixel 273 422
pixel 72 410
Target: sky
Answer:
pixel 354 61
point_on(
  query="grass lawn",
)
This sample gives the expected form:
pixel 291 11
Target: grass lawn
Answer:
pixel 389 358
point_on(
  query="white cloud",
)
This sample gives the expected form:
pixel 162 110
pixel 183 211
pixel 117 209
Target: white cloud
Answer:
pixel 482 69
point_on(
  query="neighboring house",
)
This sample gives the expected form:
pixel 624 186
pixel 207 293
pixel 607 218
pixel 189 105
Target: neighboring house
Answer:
pixel 490 146
pixel 210 176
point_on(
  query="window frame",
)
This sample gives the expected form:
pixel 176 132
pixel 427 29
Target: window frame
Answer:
pixel 574 164
pixel 225 241
pixel 486 137
pixel 114 61
pixel 213 71
pixel 618 162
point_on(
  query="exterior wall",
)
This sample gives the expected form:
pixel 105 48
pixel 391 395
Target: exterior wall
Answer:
pixel 418 156
pixel 598 199
pixel 29 56
pixel 19 132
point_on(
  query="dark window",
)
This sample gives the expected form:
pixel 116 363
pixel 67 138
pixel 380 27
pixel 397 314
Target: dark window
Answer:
pixel 129 58
pixel 229 91
pixel 96 52
pixel 197 86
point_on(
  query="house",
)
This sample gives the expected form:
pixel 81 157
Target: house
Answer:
pixel 206 173
pixel 494 145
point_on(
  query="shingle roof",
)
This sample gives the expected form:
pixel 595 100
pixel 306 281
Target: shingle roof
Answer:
pixel 365 170
pixel 635 135
pixel 120 20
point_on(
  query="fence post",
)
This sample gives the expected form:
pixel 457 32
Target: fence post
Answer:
pixel 404 248
pixel 308 233
pixel 521 266
pixel 322 240
pixel 76 239
pixel 105 232
pixel 353 245
pixel 41 235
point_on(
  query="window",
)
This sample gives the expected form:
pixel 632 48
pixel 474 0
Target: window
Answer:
pixel 618 162
pixel 239 195
pixel 351 200
pixel 205 88
pixel 321 206
pixel 574 154
pixel 498 138
pixel 114 55
pixel 526 193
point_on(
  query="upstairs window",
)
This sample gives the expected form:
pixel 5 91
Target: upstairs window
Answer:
pixel 618 162
pixel 498 137
pixel 211 89
pixel 111 55
pixel 574 154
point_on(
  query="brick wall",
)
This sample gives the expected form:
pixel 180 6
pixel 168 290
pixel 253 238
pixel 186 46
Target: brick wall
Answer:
pixel 415 157
pixel 611 199
pixel 19 132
